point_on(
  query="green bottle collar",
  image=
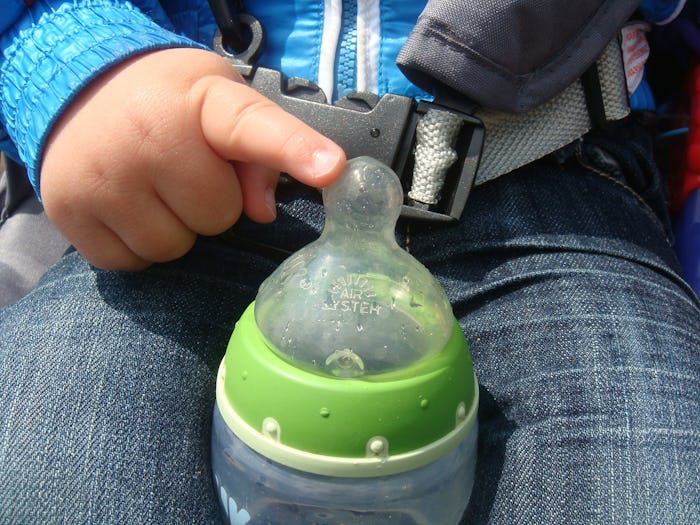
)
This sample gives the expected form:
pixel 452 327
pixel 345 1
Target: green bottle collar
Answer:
pixel 359 427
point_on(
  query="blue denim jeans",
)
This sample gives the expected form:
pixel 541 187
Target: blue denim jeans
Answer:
pixel 584 337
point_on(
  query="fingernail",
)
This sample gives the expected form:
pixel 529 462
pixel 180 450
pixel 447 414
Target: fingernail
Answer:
pixel 270 201
pixel 324 160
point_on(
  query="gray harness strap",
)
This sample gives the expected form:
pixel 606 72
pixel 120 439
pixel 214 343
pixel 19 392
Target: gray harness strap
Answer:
pixel 521 62
pixel 515 139
pixel 509 55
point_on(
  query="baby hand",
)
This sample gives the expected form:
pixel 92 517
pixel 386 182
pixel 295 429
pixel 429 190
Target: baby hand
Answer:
pixel 166 146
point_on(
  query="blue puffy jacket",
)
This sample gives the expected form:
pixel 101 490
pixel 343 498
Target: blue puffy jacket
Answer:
pixel 53 48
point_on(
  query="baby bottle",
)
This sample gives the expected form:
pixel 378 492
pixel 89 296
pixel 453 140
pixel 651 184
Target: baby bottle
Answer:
pixel 347 393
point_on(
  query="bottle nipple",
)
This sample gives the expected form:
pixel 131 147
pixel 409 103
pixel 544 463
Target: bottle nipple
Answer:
pixel 353 303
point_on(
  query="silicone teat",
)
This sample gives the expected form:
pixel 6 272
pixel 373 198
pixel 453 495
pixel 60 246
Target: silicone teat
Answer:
pixel 354 303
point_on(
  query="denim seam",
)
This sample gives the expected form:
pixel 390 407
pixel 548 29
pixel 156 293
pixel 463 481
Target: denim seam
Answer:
pixel 597 171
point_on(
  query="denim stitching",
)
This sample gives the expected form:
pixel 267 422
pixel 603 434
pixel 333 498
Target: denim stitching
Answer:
pixel 580 157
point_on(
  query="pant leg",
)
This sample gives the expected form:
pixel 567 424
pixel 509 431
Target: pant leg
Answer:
pixel 107 379
pixel 107 388
pixel 586 346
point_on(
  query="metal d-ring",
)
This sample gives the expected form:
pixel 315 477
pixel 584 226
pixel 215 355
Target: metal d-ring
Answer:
pixel 250 53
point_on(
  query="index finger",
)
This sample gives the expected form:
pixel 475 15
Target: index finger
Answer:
pixel 241 124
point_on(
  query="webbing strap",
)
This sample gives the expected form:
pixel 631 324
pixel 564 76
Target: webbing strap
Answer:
pixel 436 134
pixel 513 140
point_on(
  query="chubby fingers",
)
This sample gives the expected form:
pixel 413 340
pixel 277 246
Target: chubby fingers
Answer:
pixel 243 125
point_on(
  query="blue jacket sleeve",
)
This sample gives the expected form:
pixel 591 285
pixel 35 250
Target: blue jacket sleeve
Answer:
pixel 51 50
pixel 10 12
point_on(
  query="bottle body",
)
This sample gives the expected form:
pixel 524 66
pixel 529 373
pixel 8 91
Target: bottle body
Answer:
pixel 257 491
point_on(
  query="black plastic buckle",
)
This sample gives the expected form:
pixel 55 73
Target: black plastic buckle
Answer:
pixel 365 124
pixel 460 177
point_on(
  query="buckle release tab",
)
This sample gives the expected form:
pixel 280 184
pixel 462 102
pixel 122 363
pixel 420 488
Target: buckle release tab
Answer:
pixel 365 124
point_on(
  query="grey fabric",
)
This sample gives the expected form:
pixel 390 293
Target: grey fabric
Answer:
pixel 29 244
pixel 509 55
pixel 513 140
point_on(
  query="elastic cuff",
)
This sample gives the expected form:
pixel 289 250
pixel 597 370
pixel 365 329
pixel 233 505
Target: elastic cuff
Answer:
pixel 47 65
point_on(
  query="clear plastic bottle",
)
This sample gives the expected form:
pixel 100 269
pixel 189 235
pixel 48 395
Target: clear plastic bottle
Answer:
pixel 347 393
